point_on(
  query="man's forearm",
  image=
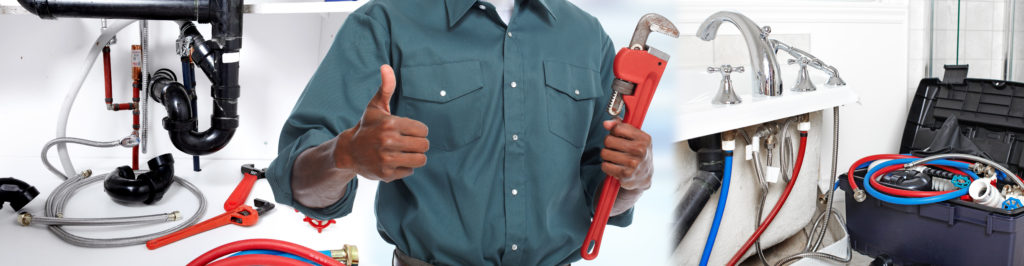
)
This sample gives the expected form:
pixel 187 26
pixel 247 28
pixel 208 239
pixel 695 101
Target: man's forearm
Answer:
pixel 625 200
pixel 316 181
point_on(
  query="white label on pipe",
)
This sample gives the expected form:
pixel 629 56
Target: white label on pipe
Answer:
pixel 756 142
pixel 773 175
pixel 750 152
pixel 230 57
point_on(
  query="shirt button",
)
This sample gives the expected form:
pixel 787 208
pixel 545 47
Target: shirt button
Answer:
pixel 515 136
pixel 577 92
pixel 514 84
pixel 515 247
pixel 482 7
pixel 515 192
pixel 443 93
pixel 509 34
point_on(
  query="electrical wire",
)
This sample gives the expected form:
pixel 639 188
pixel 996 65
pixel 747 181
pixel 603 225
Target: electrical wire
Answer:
pixel 778 205
pixel 720 210
pixel 76 84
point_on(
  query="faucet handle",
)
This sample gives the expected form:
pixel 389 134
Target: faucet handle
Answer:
pixel 725 69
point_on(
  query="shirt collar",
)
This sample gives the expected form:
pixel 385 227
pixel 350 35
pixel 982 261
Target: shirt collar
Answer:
pixel 458 8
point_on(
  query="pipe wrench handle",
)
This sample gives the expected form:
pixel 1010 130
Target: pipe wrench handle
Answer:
pixel 243 215
pixel 241 192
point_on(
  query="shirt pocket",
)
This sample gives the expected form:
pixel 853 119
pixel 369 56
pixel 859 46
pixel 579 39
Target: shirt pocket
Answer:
pixel 571 95
pixel 444 97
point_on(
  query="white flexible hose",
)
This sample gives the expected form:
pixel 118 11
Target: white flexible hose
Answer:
pixel 76 85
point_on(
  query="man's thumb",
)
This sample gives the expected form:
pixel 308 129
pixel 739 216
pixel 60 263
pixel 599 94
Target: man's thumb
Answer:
pixel 382 99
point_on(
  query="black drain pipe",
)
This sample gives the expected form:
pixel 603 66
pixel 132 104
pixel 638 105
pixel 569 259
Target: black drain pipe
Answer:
pixel 217 57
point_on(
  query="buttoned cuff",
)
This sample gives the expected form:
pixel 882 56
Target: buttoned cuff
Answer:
pixel 279 175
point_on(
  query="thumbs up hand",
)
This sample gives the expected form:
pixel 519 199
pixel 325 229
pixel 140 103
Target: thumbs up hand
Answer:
pixel 382 146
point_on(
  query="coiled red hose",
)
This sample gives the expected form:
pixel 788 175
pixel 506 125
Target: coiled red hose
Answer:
pixel 267 244
pixel 778 205
pixel 258 259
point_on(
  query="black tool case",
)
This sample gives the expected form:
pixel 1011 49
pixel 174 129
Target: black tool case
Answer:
pixel 955 232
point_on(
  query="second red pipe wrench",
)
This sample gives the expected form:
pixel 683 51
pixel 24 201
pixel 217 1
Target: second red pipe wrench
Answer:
pixel 638 69
pixel 249 176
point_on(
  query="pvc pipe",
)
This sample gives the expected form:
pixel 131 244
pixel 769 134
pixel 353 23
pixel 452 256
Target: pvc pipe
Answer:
pixel 984 193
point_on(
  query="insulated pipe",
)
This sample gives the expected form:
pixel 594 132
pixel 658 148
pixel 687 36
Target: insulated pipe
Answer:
pixel 124 9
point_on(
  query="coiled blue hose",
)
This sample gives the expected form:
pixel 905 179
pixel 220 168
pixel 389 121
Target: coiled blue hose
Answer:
pixel 722 198
pixel 279 253
pixel 916 201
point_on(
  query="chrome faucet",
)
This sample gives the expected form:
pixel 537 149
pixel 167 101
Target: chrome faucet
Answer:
pixel 767 79
pixel 807 59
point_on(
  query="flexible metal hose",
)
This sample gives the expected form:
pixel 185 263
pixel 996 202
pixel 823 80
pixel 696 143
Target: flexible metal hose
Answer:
pixel 144 43
pixel 127 220
pixel 759 172
pixel 58 199
pixel 820 255
pixel 1009 174
pixel 126 142
pixel 830 191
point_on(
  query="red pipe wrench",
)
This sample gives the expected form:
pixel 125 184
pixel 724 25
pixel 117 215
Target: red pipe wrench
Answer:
pixel 249 176
pixel 638 68
pixel 244 215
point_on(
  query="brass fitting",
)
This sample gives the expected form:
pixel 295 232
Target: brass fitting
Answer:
pixel 859 195
pixel 349 255
pixel 729 136
pixel 24 218
pixel 173 216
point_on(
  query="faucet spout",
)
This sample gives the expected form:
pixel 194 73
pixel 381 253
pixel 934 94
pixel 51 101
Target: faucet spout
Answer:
pixel 767 80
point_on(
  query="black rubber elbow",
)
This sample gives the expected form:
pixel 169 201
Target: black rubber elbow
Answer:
pixel 123 186
pixel 16 192
pixel 708 180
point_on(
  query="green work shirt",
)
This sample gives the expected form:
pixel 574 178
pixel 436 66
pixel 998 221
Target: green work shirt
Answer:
pixel 514 114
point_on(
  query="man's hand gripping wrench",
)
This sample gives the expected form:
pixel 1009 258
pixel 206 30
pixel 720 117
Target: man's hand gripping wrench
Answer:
pixel 638 68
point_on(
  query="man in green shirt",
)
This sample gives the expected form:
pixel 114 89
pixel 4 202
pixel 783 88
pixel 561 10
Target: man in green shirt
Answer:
pixel 491 138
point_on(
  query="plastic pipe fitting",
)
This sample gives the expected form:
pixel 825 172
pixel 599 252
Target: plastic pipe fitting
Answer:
pixel 984 193
pixel 16 192
pixel 123 186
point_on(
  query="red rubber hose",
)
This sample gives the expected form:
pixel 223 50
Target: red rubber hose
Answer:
pixel 268 244
pixel 258 259
pixel 849 174
pixel 778 205
pixel 905 193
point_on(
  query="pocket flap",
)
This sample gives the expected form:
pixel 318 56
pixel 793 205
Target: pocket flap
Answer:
pixel 441 83
pixel 577 82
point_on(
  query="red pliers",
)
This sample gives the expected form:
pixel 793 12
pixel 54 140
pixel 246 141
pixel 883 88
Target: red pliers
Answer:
pixel 638 69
